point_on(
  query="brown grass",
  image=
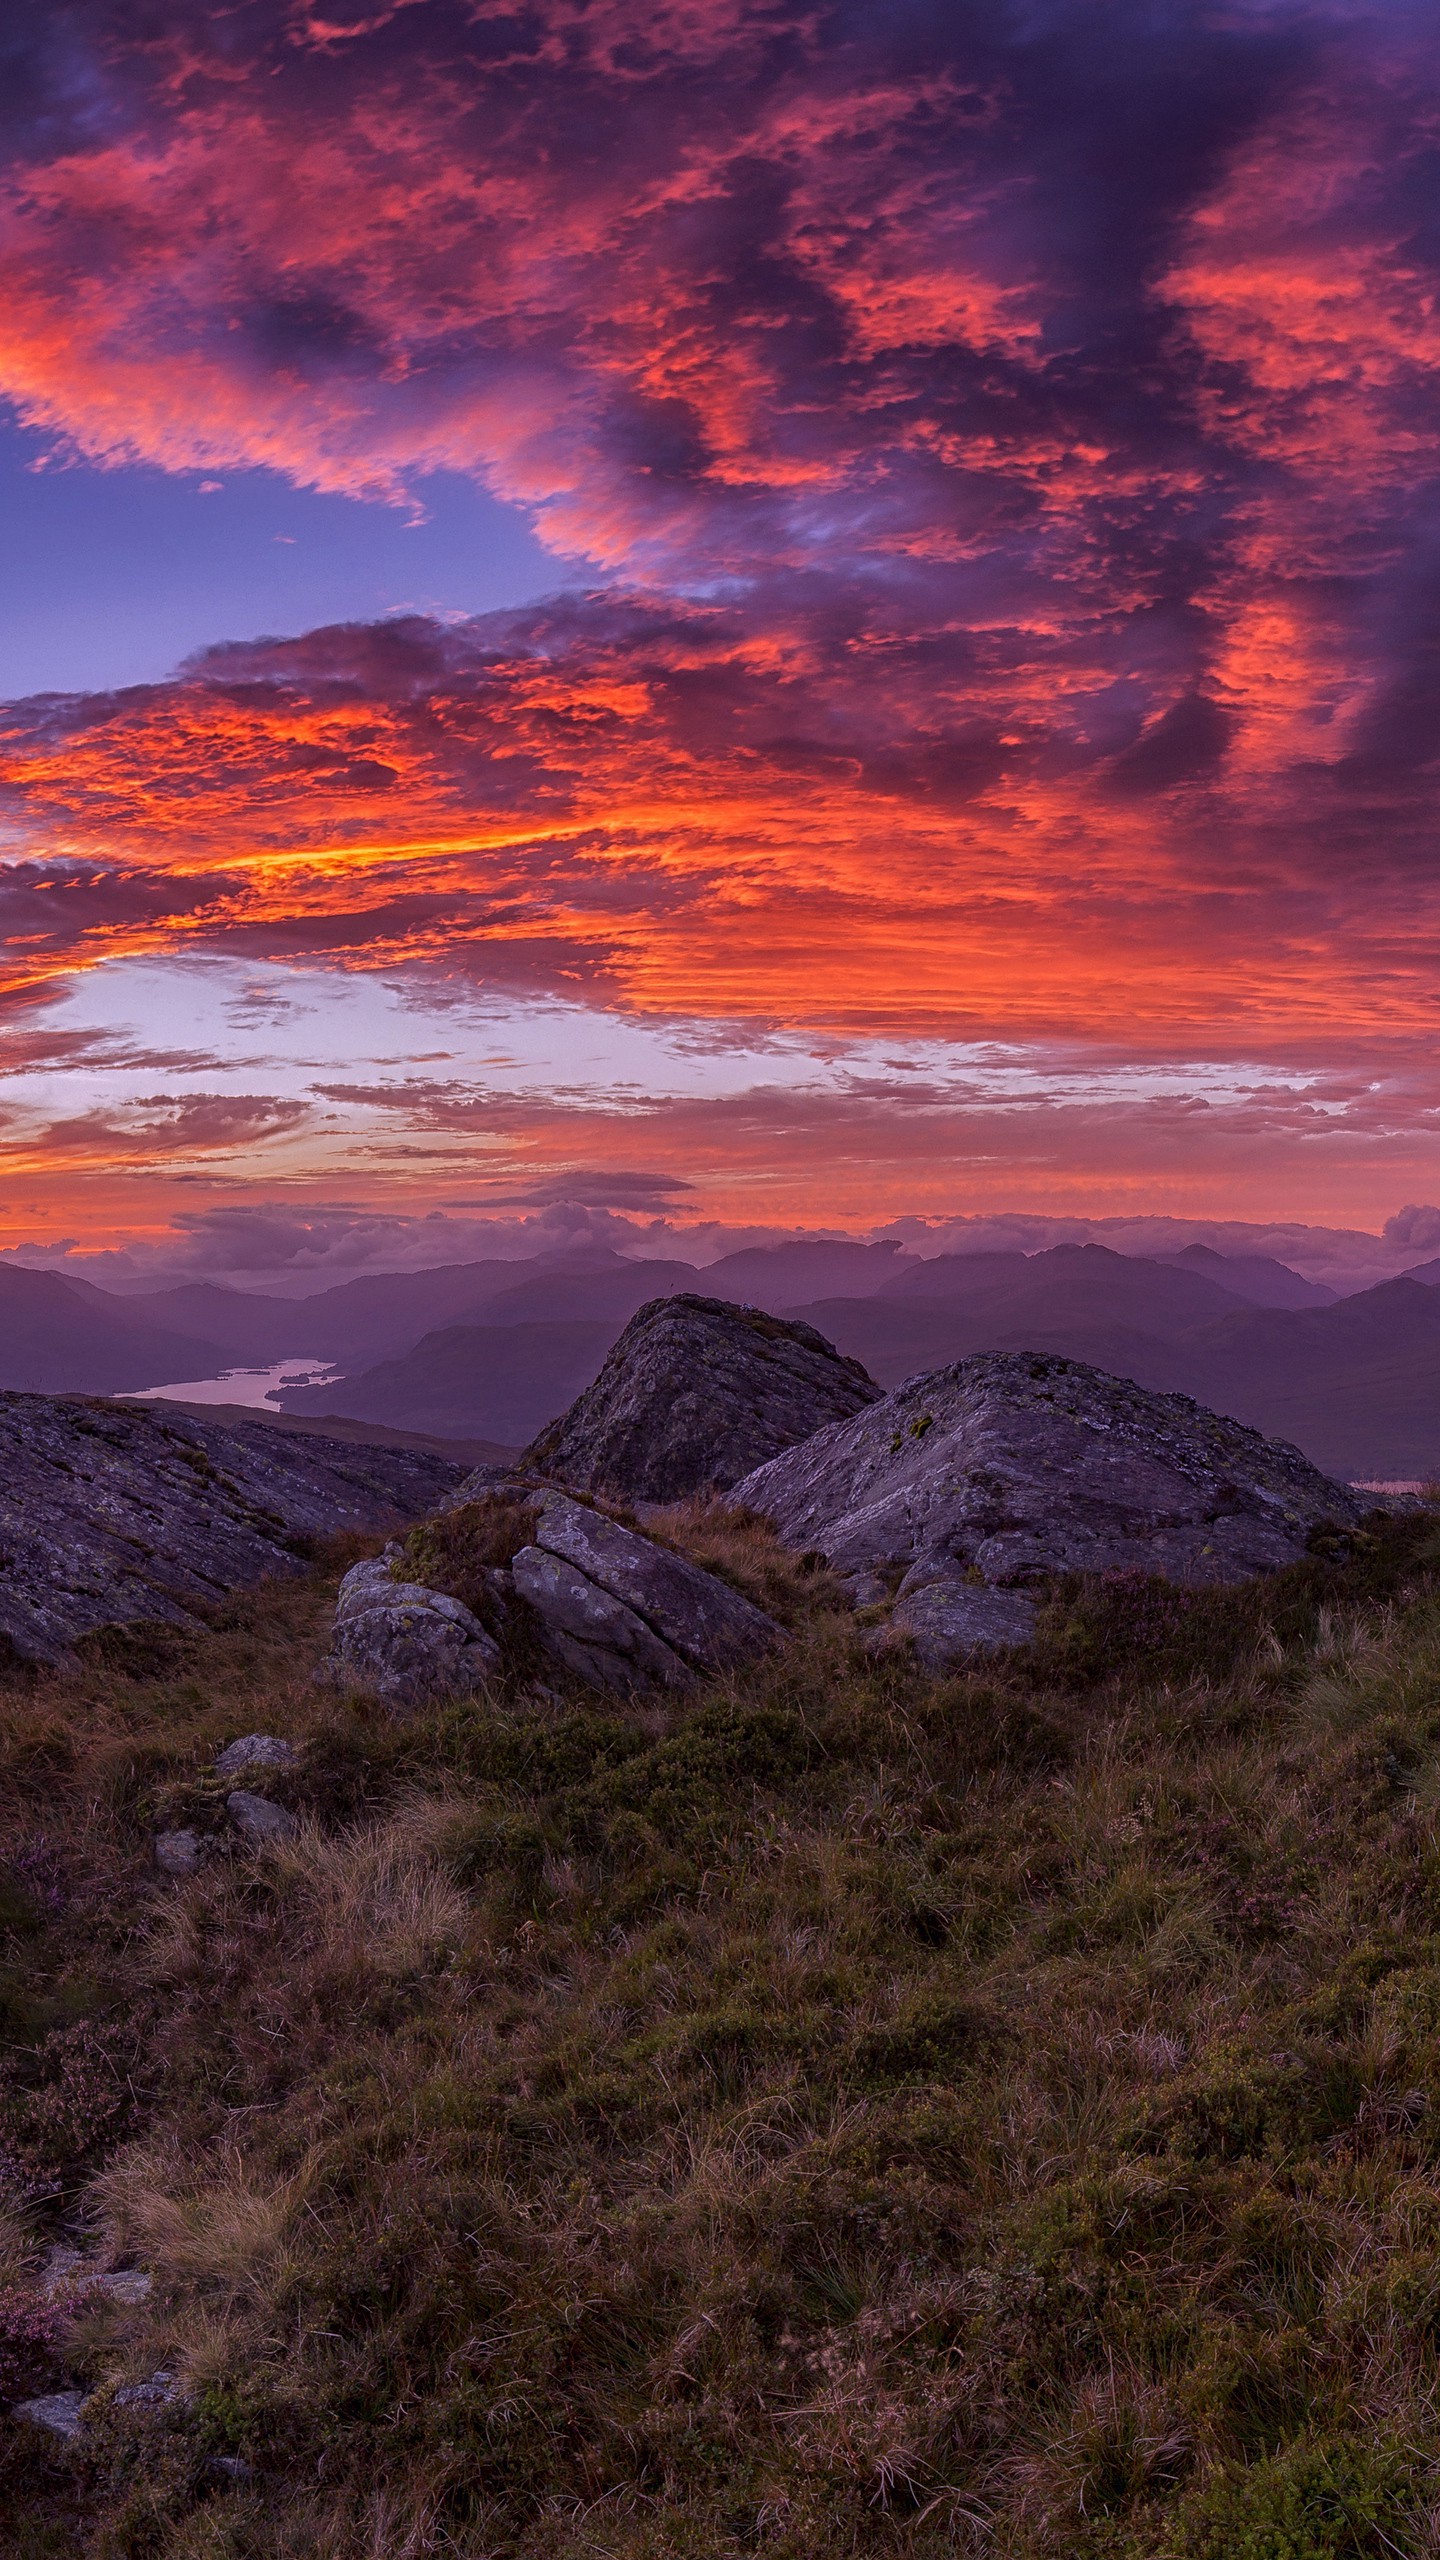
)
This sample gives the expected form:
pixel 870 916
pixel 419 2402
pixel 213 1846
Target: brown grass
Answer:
pixel 839 2113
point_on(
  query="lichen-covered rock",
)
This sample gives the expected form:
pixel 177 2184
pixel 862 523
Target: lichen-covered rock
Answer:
pixel 112 1514
pixel 616 1609
pixel 947 1618
pixel 258 1820
pixel 588 1631
pixel 405 1644
pixel 254 1751
pixel 695 1394
pixel 1012 1467
pixel 69 2276
pixel 182 1853
pixel 59 2413
pixel 710 1626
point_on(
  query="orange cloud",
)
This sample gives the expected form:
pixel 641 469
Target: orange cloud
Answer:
pixel 1012 442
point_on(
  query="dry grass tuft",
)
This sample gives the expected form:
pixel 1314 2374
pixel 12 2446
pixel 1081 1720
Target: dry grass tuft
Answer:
pixel 840 2113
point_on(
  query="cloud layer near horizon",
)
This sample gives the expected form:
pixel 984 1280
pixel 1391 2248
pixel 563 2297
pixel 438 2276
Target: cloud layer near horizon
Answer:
pixel 1005 438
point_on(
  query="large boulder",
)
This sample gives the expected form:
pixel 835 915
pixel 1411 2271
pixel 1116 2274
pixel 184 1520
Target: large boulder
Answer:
pixel 695 1394
pixel 403 1643
pixel 625 1613
pixel 965 1490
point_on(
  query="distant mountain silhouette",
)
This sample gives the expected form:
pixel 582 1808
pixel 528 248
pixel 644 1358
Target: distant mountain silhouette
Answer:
pixel 774 1276
pixel 1256 1276
pixel 59 1335
pixel 1070 1284
pixel 1355 1384
pixel 385 1314
pixel 493 1350
pixel 473 1382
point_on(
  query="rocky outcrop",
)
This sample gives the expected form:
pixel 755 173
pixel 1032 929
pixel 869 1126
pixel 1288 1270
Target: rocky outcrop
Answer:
pixel 965 1490
pixel 403 1643
pixel 112 1514
pixel 624 1613
pixel 598 1600
pixel 695 1394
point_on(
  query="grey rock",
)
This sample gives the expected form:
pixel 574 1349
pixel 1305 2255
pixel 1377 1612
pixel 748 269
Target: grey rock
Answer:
pixel 695 1394
pixel 610 1606
pixel 866 1590
pixel 589 1631
pixel 405 1644
pixel 232 2467
pixel 68 2271
pixel 1018 1466
pixel 161 2391
pixel 182 1853
pixel 127 2285
pixel 58 2412
pixel 695 1614
pixel 255 1751
pixel 113 1514
pixel 257 1819
pixel 946 1620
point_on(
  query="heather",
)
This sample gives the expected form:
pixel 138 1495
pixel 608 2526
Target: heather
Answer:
pixel 838 2111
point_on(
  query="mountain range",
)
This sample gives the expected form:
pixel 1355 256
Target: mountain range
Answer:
pixel 492 1350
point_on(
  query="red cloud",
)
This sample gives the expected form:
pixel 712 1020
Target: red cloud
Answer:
pixel 1016 434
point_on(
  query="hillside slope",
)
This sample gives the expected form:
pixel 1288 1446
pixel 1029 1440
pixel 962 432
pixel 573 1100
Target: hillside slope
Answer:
pixel 845 2114
pixel 62 1336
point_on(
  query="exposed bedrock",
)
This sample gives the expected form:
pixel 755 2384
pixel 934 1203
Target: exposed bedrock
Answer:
pixel 694 1394
pixel 968 1488
pixel 112 1514
pixel 613 1608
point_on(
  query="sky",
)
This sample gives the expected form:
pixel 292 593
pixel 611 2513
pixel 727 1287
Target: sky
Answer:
pixel 715 619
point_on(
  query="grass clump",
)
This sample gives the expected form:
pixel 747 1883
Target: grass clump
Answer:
pixel 834 2112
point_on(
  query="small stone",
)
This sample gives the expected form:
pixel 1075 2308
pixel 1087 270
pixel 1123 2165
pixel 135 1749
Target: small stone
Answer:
pixel 258 1819
pixel 182 1853
pixel 126 2284
pixel 59 2412
pixel 161 2391
pixel 866 1590
pixel 68 2271
pixel 255 1751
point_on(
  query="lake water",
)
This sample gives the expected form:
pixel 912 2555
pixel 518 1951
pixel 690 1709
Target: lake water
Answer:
pixel 243 1386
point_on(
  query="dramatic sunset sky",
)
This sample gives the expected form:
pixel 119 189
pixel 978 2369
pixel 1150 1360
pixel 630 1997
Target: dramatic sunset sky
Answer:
pixel 735 614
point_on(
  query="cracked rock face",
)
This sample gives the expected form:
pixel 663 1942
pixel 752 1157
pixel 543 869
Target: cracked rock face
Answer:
pixel 625 1613
pixel 113 1514
pixel 696 1393
pixel 604 1603
pixel 403 1643
pixel 974 1484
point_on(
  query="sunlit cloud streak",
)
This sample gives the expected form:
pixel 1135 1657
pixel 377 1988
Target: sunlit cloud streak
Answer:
pixel 999 450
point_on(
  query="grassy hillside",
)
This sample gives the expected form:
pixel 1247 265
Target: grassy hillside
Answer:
pixel 843 2114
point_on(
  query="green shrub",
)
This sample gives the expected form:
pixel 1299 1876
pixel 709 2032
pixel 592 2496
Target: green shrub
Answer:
pixel 1345 2500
